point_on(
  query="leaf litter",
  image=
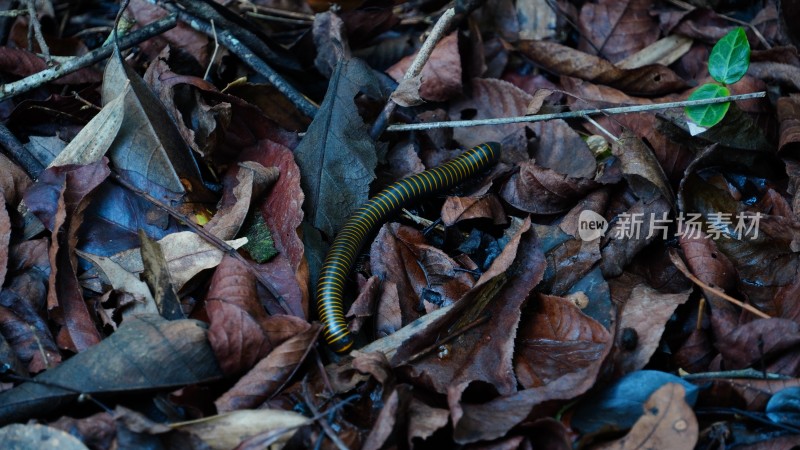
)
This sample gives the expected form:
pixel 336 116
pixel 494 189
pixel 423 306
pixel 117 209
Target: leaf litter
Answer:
pixel 612 283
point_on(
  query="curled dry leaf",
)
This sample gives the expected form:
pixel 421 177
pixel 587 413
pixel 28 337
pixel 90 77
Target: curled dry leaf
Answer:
pixel 561 60
pixel 421 272
pixel 668 422
pixel 226 431
pixel 242 186
pixel 645 313
pixel 270 374
pixel 186 252
pixel 240 330
pixel 556 339
pixel 538 190
pixel 456 209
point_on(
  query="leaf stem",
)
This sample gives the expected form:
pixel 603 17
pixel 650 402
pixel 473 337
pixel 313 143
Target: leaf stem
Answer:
pixel 571 114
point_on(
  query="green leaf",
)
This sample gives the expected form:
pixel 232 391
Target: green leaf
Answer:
pixel 708 115
pixel 730 58
pixel 260 244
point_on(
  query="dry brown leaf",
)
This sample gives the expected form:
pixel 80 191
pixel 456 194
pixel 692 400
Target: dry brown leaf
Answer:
pixel 241 187
pixel 668 422
pixel 456 209
pixel 441 75
pixel 561 60
pixel 617 29
pixel 270 374
pixel 226 431
pixel 240 327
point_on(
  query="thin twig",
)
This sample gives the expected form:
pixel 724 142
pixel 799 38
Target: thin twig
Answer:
pixel 247 56
pixel 741 373
pixel 326 427
pixel 19 153
pixel 213 55
pixel 211 238
pixel 685 271
pixel 572 114
pixel 35 28
pixel 13 13
pixel 9 90
pixel 439 29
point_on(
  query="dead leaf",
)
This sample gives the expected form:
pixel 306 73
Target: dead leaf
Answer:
pixel 441 75
pixel 668 422
pixel 561 60
pixel 270 374
pixel 456 209
pixel 20 437
pixel 556 339
pixel 226 431
pixel 239 330
pixel 538 190
pixel 145 353
pixel 617 29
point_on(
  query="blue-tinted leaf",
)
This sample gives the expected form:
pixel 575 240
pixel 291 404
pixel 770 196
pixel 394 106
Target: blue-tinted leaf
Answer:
pixel 784 407
pixel 708 115
pixel 730 58
pixel 620 405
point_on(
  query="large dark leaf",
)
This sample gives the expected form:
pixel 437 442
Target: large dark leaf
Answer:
pixel 146 353
pixel 337 158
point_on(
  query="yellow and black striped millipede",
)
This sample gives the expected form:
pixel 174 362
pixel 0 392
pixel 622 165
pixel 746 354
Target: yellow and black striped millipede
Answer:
pixel 342 253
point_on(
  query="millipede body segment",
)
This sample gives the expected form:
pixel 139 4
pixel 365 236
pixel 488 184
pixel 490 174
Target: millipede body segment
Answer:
pixel 342 253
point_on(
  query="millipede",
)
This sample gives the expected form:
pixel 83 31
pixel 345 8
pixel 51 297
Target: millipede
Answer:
pixel 348 242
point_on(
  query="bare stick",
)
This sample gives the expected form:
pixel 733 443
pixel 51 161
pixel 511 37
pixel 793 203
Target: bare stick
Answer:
pixel 248 57
pixel 9 90
pixel 441 26
pixel 35 29
pixel 213 55
pixel 571 114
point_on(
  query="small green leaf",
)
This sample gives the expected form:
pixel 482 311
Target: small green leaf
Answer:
pixel 708 115
pixel 259 239
pixel 730 58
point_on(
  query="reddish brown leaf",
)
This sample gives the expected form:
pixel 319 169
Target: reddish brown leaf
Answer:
pixel 392 420
pixel 424 420
pixel 364 305
pixel 557 339
pixel 748 393
pixel 647 80
pixel 456 209
pixel 617 29
pixel 421 272
pixel 270 374
pixel 537 190
pixel 646 313
pixel 281 207
pixel 24 63
pixel 493 98
pixel 667 422
pixel 776 340
pixel 441 75
pixel 58 200
pixel 182 36
pixel 13 181
pixel 241 332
